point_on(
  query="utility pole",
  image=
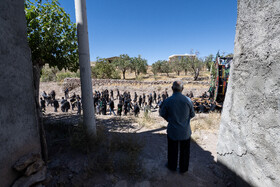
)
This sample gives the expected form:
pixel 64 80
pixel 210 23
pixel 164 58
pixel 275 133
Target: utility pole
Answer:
pixel 85 69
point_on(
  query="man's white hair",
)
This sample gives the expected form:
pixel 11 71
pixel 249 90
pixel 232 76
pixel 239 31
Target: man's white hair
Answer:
pixel 177 86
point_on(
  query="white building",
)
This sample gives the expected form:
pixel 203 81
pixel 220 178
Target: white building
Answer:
pixel 179 56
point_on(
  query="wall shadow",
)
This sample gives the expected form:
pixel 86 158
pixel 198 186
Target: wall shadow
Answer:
pixel 203 169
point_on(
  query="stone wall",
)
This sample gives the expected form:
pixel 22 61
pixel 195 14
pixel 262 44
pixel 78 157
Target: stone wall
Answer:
pixel 72 83
pixel 19 131
pixel 249 138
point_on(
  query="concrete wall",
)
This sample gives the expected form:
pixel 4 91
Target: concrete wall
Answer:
pixel 249 139
pixel 19 132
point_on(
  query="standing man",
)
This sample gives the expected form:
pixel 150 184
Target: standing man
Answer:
pixel 178 110
pixel 111 107
pixel 79 106
pixel 155 97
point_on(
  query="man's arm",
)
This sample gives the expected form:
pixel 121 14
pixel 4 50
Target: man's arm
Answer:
pixel 192 113
pixel 163 111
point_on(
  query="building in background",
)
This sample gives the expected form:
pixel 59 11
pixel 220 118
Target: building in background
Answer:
pixel 180 56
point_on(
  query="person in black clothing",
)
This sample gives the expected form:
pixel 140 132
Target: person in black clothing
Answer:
pixel 111 106
pixel 118 94
pixel 55 105
pixel 191 94
pixel 155 97
pixel 79 107
pixel 159 97
pixel 125 107
pixel 213 106
pixel 140 101
pixel 144 98
pixel 204 95
pixel 201 108
pixel 65 106
pixel 112 94
pixel 150 100
pixel 52 94
pixel 120 105
pixel 135 97
pixel 66 92
pixel 136 109
pixel 95 101
pixel 163 96
pixel 43 104
pixel 103 106
pixel 73 100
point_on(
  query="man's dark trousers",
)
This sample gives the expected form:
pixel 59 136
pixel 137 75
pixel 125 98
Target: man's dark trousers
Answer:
pixel 172 154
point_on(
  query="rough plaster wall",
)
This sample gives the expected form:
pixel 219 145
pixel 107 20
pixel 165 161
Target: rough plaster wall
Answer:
pixel 18 126
pixel 249 139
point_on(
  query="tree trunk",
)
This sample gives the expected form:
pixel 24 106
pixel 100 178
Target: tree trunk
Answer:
pixel 196 74
pixel 123 74
pixel 186 72
pixel 36 78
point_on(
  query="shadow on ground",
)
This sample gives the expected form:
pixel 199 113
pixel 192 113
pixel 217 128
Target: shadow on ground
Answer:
pixel 110 164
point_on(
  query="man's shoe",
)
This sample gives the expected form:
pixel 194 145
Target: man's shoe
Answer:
pixel 166 165
pixel 183 172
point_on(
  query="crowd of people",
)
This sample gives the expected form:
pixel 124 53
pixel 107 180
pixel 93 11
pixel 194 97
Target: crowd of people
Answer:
pixel 127 103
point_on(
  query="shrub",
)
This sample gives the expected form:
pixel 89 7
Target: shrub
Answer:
pixel 62 75
pixel 104 70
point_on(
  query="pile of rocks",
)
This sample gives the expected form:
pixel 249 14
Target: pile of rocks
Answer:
pixel 32 170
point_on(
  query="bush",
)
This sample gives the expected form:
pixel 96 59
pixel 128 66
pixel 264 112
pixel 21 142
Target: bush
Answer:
pixel 104 70
pixel 48 74
pixel 53 74
pixel 62 75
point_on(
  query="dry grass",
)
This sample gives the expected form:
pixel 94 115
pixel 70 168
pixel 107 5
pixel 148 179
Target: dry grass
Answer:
pixel 208 122
pixel 146 120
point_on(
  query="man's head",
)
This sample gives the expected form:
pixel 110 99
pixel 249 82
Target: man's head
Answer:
pixel 177 86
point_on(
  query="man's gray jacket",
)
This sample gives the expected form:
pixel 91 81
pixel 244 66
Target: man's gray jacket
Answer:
pixel 178 110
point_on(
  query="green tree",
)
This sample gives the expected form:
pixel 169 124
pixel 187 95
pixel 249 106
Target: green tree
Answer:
pixel 156 67
pixel 123 63
pixel 138 65
pixel 186 64
pixel 104 70
pixel 177 66
pixel 165 67
pixel 52 37
pixel 196 65
pixel 209 60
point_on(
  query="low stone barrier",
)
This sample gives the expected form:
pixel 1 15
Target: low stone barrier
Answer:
pixel 72 83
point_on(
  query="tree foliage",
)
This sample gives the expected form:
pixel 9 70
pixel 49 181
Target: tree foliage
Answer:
pixel 177 66
pixel 51 35
pixel 156 67
pixel 104 70
pixel 161 66
pixel 138 65
pixel 185 63
pixel 209 60
pixel 123 63
pixel 196 65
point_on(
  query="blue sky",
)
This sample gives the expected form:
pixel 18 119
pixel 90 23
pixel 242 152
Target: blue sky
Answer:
pixel 156 29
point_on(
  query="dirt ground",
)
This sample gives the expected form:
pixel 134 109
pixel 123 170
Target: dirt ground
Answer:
pixel 67 167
